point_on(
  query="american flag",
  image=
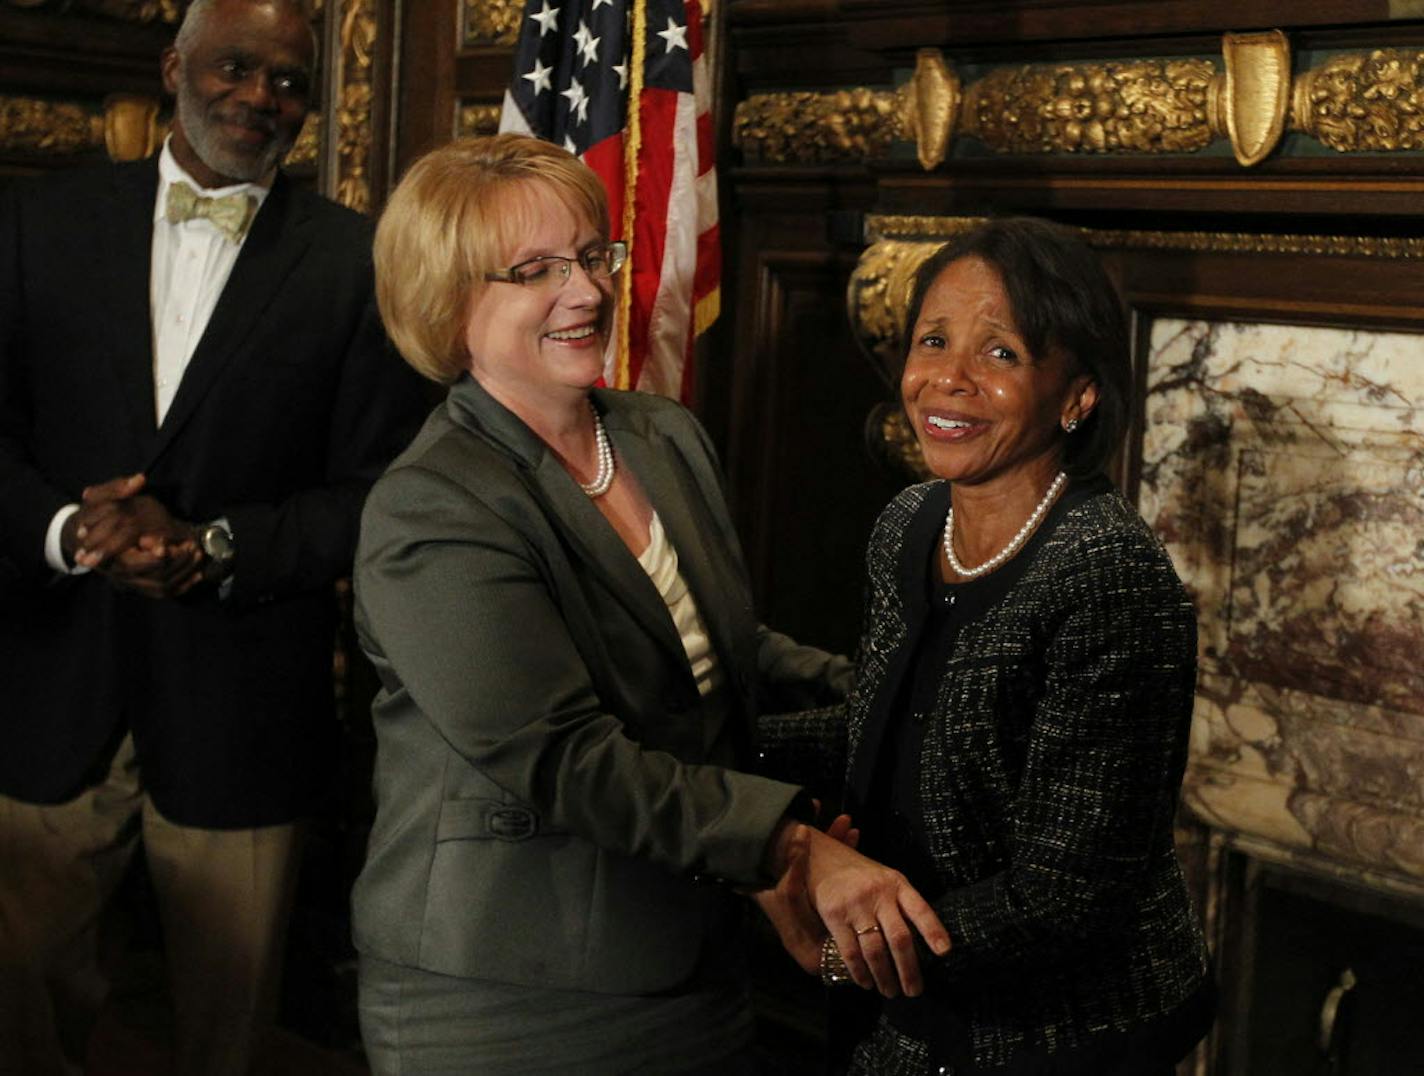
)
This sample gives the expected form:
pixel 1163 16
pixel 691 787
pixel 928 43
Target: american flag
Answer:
pixel 624 84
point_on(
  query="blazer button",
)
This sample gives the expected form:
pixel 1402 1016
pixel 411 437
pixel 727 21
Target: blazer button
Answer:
pixel 512 823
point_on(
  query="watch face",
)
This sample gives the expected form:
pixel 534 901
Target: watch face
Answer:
pixel 217 542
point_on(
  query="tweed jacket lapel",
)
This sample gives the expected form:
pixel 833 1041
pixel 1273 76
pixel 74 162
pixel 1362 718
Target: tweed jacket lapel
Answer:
pixel 126 246
pixel 280 235
pixel 898 589
pixel 587 534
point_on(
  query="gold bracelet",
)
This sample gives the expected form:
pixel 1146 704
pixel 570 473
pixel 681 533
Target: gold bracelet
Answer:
pixel 833 965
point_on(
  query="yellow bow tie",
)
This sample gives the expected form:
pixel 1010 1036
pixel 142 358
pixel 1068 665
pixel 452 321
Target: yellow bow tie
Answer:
pixel 231 214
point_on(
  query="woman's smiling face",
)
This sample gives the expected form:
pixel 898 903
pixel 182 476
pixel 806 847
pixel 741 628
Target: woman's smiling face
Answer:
pixel 531 343
pixel 982 407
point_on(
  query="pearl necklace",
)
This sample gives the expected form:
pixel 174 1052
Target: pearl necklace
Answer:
pixel 604 478
pixel 1014 543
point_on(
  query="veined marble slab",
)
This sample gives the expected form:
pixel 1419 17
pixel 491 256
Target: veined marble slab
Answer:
pixel 1284 468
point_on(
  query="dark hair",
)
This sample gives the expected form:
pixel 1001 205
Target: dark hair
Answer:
pixel 1060 296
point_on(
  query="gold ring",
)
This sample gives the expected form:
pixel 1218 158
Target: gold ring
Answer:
pixel 874 928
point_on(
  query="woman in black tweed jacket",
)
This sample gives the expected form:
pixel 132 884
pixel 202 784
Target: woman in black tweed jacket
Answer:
pixel 1016 738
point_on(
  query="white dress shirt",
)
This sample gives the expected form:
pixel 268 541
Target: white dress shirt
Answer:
pixel 192 261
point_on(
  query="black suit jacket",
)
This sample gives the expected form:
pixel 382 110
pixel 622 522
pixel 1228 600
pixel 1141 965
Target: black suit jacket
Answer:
pixel 290 407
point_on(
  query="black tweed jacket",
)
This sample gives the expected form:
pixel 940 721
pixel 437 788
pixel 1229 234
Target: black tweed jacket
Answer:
pixel 1049 779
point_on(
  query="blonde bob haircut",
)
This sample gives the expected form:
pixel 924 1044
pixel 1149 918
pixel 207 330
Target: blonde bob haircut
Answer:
pixel 457 214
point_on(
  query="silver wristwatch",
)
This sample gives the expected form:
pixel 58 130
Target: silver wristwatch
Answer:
pixel 218 544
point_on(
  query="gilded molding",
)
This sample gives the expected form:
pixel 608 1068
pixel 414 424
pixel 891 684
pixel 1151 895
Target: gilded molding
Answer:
pixel 307 148
pixel 1363 101
pixel 803 127
pixel 354 95
pixel 474 119
pixel 142 11
pixel 1254 97
pixel 935 230
pixel 878 294
pixel 59 127
pixel 127 128
pixel 132 130
pixel 891 439
pixel 1141 106
pixel 490 22
pixel 930 107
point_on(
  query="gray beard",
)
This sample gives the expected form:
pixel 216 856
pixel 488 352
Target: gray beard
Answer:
pixel 207 145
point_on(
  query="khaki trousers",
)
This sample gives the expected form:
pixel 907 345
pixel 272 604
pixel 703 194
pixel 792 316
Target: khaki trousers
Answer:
pixel 223 898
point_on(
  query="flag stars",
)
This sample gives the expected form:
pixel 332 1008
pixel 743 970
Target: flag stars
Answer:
pixel 539 76
pixel 587 44
pixel 548 19
pixel 621 70
pixel 599 3
pixel 578 101
pixel 674 37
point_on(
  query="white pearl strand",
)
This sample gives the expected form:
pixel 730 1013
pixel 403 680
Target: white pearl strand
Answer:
pixel 1014 543
pixel 604 478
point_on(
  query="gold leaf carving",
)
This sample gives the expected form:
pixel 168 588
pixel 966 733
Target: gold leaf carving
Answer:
pixel 490 22
pixel 131 128
pixel 930 107
pixel 1364 101
pixel 1255 96
pixel 879 293
pixel 936 230
pixel 805 127
pixel 353 110
pixel 39 126
pixel 307 147
pixel 143 11
pixel 472 119
pixel 892 439
pixel 1142 106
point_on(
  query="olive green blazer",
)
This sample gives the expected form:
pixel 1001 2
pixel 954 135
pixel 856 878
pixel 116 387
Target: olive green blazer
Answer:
pixel 553 796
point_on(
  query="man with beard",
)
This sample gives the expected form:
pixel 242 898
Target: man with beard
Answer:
pixel 195 395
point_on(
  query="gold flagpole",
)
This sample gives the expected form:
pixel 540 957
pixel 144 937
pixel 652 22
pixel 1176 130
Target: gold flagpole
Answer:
pixel 631 146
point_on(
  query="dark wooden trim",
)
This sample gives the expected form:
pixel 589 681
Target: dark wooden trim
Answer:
pixel 425 79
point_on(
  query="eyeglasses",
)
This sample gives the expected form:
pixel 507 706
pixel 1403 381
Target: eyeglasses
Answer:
pixel 552 271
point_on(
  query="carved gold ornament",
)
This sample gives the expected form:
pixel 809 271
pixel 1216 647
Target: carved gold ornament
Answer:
pixel 1254 97
pixel 929 107
pixel 1144 106
pixel 167 11
pixel 354 94
pixel 1364 101
pixel 127 127
pixel 34 125
pixel 806 127
pixel 132 130
pixel 473 119
pixel 307 148
pixel 490 22
pixel 936 230
pixel 1356 102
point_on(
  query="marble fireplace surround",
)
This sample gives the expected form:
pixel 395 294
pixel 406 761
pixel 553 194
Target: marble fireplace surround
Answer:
pixel 1284 468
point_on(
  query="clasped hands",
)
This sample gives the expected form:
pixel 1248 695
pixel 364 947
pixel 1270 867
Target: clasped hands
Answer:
pixel 825 886
pixel 131 538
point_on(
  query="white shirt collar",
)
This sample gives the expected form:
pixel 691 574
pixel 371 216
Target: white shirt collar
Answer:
pixel 170 172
